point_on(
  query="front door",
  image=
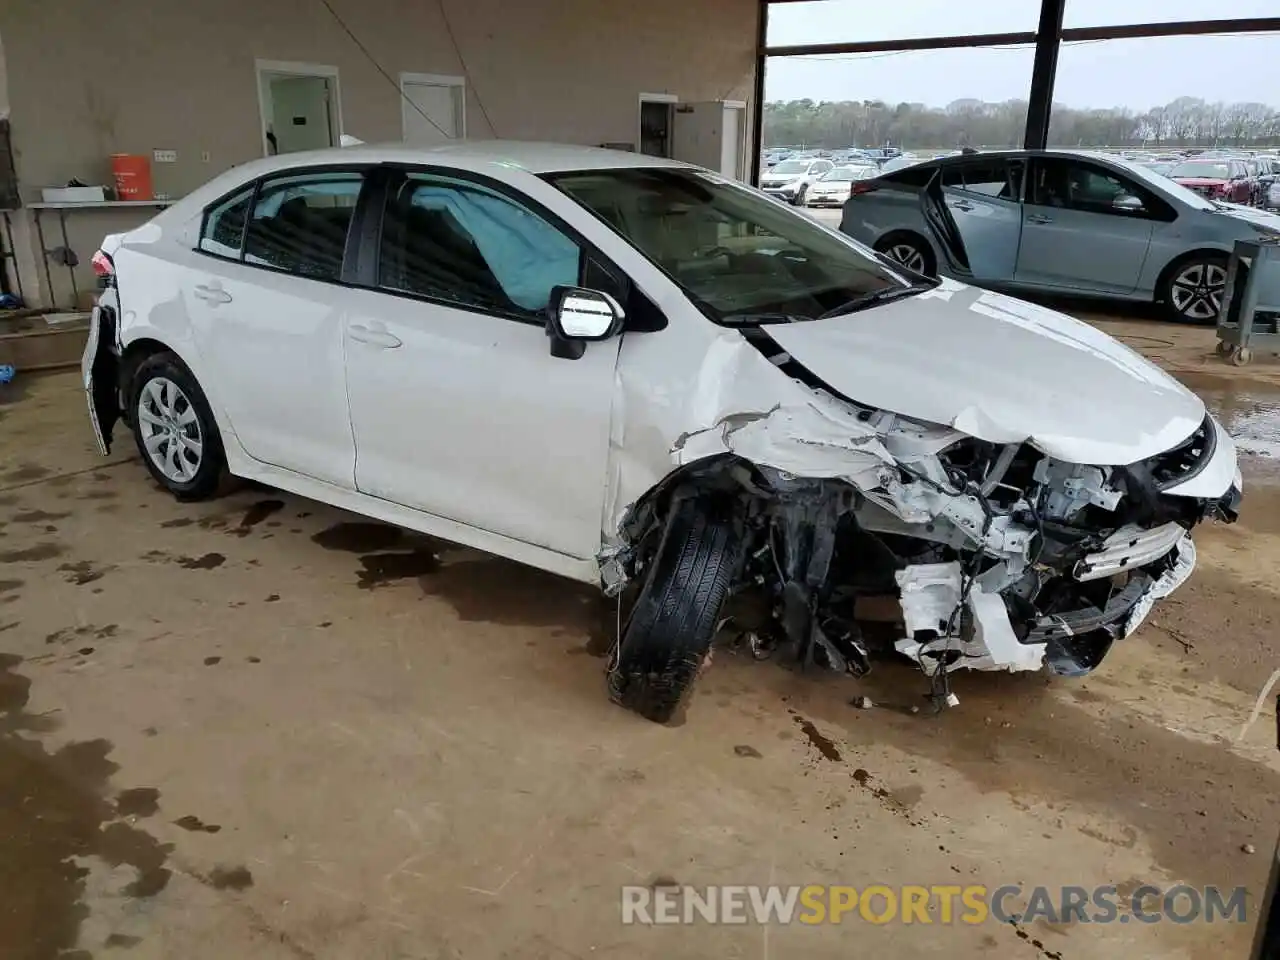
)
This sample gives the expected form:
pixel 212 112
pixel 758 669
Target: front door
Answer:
pixel 457 406
pixel 974 211
pixel 268 319
pixel 1085 227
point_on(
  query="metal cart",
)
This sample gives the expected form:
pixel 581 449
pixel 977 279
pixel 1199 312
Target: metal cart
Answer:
pixel 1244 324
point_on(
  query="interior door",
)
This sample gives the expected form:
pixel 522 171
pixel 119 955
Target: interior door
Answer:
pixel 432 112
pixel 268 319
pixel 1085 227
pixel 300 113
pixel 974 212
pixel 457 407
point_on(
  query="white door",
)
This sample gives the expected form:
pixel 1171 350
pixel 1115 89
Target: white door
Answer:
pixel 300 113
pixel 457 406
pixel 731 147
pixel 433 111
pixel 270 326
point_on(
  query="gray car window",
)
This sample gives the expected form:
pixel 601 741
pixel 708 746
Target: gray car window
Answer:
pixel 1079 185
pixel 990 178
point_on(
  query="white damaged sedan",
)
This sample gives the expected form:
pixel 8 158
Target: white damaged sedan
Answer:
pixel 639 374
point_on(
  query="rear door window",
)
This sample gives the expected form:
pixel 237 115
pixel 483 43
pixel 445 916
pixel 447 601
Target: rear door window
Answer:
pixel 1001 179
pixel 300 223
pixel 223 231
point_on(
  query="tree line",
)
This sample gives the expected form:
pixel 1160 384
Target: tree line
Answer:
pixel 1184 122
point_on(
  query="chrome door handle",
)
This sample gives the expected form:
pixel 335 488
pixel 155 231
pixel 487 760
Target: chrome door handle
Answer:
pixel 212 294
pixel 1037 218
pixel 377 338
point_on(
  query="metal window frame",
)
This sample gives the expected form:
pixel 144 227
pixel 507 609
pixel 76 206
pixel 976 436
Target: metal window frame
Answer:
pixel 1047 40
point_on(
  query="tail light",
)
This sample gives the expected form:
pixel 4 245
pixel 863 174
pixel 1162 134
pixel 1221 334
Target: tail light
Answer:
pixel 863 186
pixel 102 265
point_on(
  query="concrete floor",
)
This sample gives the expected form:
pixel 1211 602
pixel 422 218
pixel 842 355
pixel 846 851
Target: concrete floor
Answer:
pixel 258 727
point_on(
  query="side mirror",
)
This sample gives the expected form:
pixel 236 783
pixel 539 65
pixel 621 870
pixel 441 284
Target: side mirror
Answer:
pixel 1127 203
pixel 576 316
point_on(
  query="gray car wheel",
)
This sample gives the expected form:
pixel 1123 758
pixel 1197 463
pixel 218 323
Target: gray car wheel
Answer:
pixel 1194 289
pixel 911 252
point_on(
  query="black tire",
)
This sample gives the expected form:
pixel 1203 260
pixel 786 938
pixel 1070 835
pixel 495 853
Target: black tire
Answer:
pixel 211 467
pixel 673 622
pixel 1207 261
pixel 892 246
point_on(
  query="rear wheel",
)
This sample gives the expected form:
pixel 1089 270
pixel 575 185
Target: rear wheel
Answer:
pixel 174 428
pixel 669 632
pixel 1193 289
pixel 909 250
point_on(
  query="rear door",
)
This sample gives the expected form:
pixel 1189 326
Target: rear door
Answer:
pixel 1086 227
pixel 267 307
pixel 974 211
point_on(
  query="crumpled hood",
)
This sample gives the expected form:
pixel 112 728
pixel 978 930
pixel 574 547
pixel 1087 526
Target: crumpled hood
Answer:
pixel 1001 370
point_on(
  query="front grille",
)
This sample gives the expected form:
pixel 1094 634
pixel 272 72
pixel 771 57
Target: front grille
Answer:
pixel 1187 459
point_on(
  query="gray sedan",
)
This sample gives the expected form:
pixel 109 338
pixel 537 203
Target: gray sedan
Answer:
pixel 1057 221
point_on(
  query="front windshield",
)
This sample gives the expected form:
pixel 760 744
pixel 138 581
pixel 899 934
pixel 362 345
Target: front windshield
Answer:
pixel 1208 169
pixel 840 175
pixel 791 166
pixel 739 255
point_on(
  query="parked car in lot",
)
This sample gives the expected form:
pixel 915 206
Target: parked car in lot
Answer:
pixel 791 179
pixel 644 376
pixel 832 190
pixel 1058 222
pixel 1217 179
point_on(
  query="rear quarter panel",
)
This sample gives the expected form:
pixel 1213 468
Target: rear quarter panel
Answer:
pixel 868 217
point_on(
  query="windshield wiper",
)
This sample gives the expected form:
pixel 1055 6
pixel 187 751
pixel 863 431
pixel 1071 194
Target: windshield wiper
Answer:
pixel 875 298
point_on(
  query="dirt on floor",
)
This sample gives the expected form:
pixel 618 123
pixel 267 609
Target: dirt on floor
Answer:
pixel 260 727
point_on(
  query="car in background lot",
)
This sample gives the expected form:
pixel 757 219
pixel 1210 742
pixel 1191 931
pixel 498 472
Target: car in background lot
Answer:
pixel 1066 222
pixel 1217 178
pixel 632 371
pixel 834 187
pixel 791 179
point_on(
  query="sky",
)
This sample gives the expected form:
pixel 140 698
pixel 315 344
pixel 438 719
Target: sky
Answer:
pixel 1131 73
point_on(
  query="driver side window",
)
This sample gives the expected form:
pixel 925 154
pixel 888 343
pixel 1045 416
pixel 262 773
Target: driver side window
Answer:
pixel 1073 185
pixel 460 242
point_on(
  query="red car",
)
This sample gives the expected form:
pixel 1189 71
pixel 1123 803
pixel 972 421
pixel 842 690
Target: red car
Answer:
pixel 1224 179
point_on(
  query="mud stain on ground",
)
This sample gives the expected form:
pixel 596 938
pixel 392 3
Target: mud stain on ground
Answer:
pixel 359 537
pixel 55 810
pixel 822 743
pixel 229 878
pixel 9 585
pixel 207 562
pixel 37 516
pixel 82 571
pixel 138 802
pixel 256 514
pixel 491 590
pixel 380 569
pixel 177 522
pixel 196 825
pixel 41 551
pixel 25 473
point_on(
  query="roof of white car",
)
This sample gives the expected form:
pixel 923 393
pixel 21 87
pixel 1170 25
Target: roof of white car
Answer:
pixel 534 158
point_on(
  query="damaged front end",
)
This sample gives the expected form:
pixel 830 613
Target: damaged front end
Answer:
pixel 992 556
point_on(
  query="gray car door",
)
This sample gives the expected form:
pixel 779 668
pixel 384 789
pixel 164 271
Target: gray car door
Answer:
pixel 972 208
pixel 1085 227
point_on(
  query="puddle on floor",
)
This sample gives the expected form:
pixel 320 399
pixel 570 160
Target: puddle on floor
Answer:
pixel 1249 411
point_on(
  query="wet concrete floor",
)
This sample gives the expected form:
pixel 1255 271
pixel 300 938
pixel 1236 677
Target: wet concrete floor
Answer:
pixel 259 727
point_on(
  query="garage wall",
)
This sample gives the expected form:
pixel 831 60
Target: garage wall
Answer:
pixel 180 76
pixel 157 74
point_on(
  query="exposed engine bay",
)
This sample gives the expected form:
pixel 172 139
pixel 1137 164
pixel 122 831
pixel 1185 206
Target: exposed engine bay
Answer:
pixel 999 556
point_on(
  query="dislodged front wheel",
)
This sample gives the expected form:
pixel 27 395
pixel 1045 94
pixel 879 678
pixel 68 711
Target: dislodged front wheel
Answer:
pixel 669 632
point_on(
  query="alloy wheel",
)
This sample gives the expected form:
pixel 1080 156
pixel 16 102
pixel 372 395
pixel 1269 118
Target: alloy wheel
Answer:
pixel 908 255
pixel 1197 290
pixel 170 429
